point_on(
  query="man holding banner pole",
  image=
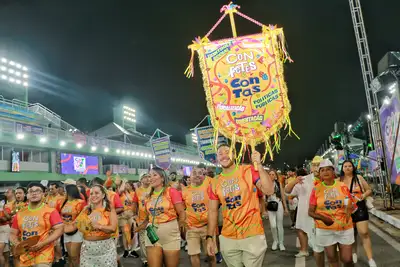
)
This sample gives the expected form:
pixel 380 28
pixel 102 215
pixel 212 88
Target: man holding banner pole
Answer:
pixel 238 189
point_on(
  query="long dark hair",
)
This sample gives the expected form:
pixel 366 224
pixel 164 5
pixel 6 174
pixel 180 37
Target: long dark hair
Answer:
pixel 72 191
pixel 354 169
pixel 163 175
pixel 105 199
pixel 82 190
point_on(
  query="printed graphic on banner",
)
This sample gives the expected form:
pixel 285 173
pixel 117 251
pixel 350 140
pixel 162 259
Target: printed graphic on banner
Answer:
pixel 27 128
pixel 389 118
pixel 162 152
pixel 205 143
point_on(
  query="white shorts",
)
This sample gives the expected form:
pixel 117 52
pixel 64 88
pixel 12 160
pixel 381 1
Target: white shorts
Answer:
pixel 326 238
pixel 311 242
pixel 75 238
pixel 4 233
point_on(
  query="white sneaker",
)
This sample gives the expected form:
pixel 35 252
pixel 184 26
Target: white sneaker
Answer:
pixel 302 254
pixel 274 246
pixel 355 258
pixel 372 263
pixel 282 247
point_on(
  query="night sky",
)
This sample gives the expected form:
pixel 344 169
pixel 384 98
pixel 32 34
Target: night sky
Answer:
pixel 85 55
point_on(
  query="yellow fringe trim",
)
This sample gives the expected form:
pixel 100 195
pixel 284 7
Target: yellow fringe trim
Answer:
pixel 278 42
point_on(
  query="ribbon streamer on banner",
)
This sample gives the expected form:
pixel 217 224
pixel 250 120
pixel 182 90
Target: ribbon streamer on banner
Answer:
pixel 244 84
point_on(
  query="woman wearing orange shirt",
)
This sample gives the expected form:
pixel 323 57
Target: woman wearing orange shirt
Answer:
pixel 331 206
pixel 98 222
pixel 163 206
pixel 360 190
pixel 125 219
pixel 70 210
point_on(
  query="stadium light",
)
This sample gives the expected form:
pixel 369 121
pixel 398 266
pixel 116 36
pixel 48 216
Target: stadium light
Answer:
pixel 129 114
pixel 62 143
pixel 106 149
pixel 42 140
pixel 194 138
pixel 15 73
pixel 79 145
pixel 93 148
pixel 20 136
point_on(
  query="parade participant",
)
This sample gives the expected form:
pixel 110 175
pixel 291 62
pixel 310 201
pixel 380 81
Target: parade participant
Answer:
pixel 173 180
pixel 164 206
pixel 98 223
pixel 115 202
pixel 293 200
pixel 5 217
pixel 125 219
pixel 20 204
pixel 10 198
pixel 70 209
pixel 242 239
pixel 37 220
pixel 141 195
pixel 84 183
pixel 277 207
pixel 196 200
pixel 54 200
pixel 331 206
pixel 360 190
pixel 302 188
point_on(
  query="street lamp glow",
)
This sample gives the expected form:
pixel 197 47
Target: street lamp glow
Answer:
pixel 386 101
pixel 369 117
pixel 349 127
pixel 25 84
pixel 20 136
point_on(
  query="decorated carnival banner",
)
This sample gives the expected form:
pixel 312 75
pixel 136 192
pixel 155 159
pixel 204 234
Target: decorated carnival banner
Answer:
pixel 206 143
pixel 161 149
pixel 244 84
pixel 389 115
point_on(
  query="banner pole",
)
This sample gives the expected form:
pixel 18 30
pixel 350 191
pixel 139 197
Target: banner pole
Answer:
pixel 232 19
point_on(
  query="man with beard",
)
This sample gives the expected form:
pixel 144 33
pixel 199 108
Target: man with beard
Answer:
pixel 302 187
pixel 38 220
pixel 196 200
pixel 242 238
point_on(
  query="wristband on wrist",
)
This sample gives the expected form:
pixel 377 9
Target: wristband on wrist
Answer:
pixel 209 236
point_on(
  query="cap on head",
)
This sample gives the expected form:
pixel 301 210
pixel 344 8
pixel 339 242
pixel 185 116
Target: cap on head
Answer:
pixel 326 163
pixel 69 181
pixel 317 159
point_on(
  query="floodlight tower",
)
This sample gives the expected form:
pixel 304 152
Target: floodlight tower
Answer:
pixel 372 101
pixel 14 73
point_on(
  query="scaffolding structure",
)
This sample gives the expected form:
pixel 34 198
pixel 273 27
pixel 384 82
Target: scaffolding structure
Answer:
pixel 372 101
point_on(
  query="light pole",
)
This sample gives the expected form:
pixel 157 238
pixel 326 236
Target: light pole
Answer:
pixel 16 74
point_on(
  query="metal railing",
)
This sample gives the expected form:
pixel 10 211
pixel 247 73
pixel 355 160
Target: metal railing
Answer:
pixel 58 135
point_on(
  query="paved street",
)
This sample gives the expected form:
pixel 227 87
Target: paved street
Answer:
pixel 387 253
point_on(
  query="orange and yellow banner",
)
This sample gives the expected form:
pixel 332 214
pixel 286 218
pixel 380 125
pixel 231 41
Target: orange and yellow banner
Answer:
pixel 245 88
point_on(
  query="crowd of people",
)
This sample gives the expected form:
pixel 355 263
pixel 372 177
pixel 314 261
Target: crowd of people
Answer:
pixel 80 223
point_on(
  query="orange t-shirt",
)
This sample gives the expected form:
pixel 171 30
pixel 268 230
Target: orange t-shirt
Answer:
pixel 140 198
pixel 55 202
pixel 71 210
pixel 2 214
pixel 196 201
pixel 329 201
pixel 37 222
pixel 238 195
pixel 127 200
pixel 164 210
pixel 100 216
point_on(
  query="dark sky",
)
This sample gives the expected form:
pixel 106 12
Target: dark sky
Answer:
pixel 84 55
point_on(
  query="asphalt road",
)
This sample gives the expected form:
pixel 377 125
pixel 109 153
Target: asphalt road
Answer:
pixel 386 251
